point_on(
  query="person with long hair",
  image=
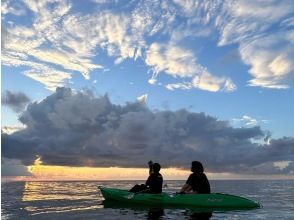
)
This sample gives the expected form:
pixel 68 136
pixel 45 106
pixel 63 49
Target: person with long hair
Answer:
pixel 197 181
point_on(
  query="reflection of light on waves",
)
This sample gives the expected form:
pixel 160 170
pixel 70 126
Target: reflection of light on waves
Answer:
pixel 64 196
pixel 37 191
pixel 60 209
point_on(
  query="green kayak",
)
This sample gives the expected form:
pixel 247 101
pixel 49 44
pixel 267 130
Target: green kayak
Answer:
pixel 213 200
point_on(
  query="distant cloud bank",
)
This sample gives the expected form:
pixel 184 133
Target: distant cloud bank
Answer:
pixel 78 129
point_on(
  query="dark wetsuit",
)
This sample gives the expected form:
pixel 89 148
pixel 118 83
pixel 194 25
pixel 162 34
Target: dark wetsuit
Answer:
pixel 199 183
pixel 154 182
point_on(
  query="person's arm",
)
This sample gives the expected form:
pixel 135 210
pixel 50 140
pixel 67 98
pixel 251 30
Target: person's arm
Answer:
pixel 150 164
pixel 147 181
pixel 186 188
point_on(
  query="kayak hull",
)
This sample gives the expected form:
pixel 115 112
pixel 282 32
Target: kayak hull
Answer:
pixel 213 200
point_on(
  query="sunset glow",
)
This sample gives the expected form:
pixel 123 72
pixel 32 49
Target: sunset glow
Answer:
pixel 47 173
pixel 40 172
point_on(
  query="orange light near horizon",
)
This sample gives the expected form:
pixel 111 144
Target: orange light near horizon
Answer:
pixel 42 172
pixel 46 172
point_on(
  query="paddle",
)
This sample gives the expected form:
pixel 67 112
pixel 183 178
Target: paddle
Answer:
pixel 150 164
pixel 142 191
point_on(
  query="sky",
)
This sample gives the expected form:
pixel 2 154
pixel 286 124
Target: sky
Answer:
pixel 98 85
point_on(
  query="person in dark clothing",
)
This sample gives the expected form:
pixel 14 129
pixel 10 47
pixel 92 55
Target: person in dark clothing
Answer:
pixel 154 181
pixel 197 181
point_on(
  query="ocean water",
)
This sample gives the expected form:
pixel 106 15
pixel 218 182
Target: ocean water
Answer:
pixel 82 200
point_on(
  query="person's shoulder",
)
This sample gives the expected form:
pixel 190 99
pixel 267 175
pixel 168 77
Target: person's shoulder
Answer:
pixel 197 176
pixel 193 174
pixel 204 175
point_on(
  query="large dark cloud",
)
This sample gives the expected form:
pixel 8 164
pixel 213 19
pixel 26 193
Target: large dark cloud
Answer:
pixel 16 101
pixel 79 129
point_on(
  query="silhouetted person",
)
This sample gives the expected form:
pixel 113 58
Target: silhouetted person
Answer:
pixel 197 181
pixel 154 181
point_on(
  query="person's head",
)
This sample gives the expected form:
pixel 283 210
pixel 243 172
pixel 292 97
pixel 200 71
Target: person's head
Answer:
pixel 156 167
pixel 197 167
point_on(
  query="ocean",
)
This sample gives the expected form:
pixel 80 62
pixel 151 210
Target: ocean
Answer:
pixel 82 200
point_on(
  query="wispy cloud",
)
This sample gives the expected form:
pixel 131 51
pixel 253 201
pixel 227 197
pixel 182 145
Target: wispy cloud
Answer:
pixel 246 120
pixel 154 31
pixel 12 7
pixel 179 62
pixel 271 60
pixel 260 29
pixel 205 82
pixel 171 59
pixel 184 86
pixel 66 60
pixel 51 78
pixel 212 83
pixel 264 44
pixel 25 46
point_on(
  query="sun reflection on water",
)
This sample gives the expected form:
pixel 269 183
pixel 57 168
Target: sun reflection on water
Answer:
pixel 37 191
pixel 55 197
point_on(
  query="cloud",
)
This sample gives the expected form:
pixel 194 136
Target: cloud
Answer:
pixel 17 101
pixel 205 82
pixel 4 34
pixel 12 167
pixel 282 164
pixel 143 98
pixel 79 129
pixel 171 59
pixel 246 120
pixel 59 37
pixel 184 86
pixel 12 7
pixel 213 84
pixel 109 31
pixel 262 29
pixel 51 78
pixel 243 20
pixel 179 62
pixel 271 61
pixel 268 53
pixel 11 129
pixel 70 45
pixel 67 61
pixel 25 46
